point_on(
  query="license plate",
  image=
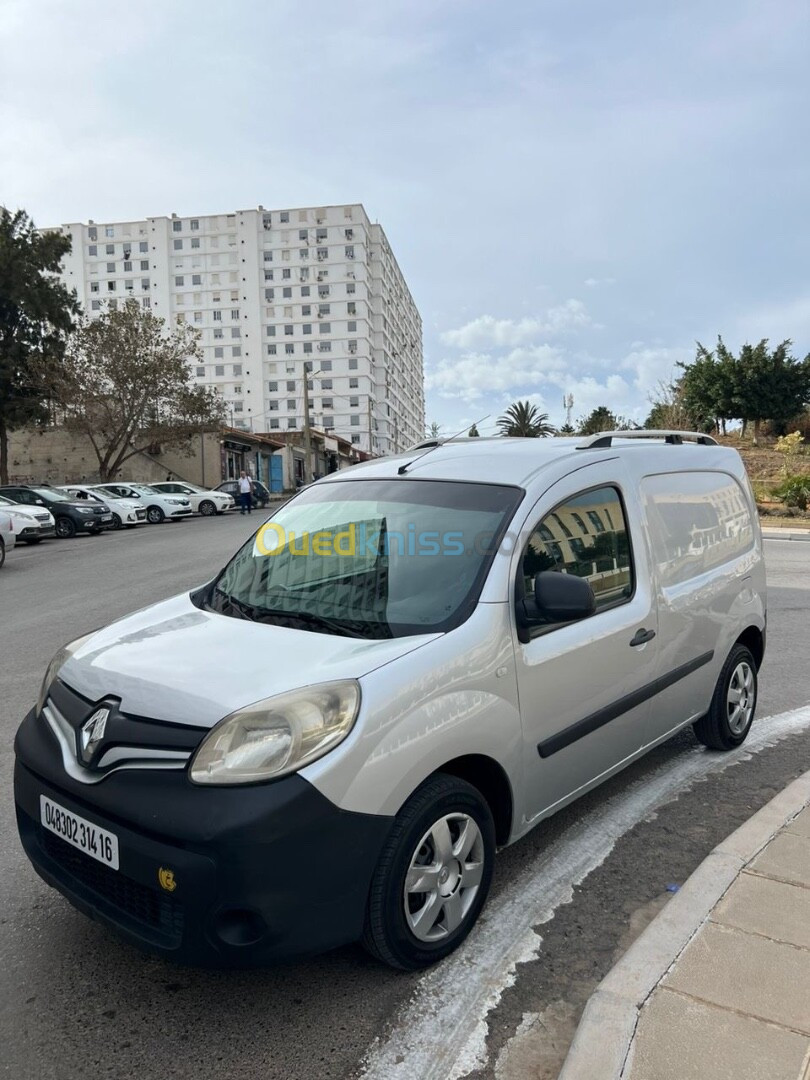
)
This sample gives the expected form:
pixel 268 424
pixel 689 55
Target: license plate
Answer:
pixel 106 517
pixel 82 834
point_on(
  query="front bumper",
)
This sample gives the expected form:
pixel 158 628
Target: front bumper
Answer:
pixel 262 873
pixel 179 511
pixel 31 532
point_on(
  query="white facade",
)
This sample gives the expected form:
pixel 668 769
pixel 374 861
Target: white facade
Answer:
pixel 274 293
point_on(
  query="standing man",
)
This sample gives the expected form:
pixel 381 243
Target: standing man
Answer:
pixel 245 493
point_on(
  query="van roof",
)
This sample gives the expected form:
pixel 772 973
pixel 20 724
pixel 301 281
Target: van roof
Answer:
pixel 516 461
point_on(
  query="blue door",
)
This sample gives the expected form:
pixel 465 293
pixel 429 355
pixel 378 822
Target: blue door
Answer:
pixel 276 473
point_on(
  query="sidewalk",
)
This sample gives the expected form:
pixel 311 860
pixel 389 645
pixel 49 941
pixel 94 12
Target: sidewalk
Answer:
pixel 718 985
pixel 785 533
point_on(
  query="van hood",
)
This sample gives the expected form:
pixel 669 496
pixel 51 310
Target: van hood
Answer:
pixel 176 663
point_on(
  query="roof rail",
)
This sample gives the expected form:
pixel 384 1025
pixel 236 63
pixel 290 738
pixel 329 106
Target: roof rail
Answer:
pixel 674 438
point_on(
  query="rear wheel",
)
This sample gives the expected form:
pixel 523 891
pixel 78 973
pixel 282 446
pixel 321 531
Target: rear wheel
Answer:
pixel 728 721
pixel 433 875
pixel 154 515
pixel 117 522
pixel 65 528
pixel 207 508
pixel 2 551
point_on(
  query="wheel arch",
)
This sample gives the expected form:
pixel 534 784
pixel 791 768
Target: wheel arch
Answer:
pixel 754 639
pixel 489 777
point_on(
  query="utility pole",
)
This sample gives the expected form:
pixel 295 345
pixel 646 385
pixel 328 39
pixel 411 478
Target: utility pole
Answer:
pixel 370 429
pixel 307 431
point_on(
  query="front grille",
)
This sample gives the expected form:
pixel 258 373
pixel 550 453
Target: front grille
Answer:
pixel 41 517
pixel 146 906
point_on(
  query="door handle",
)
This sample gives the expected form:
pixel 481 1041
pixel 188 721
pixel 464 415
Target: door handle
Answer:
pixel 641 637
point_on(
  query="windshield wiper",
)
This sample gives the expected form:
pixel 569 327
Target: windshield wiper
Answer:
pixel 245 611
pixel 335 626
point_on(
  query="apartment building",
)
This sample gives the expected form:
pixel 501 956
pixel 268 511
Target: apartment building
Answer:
pixel 276 295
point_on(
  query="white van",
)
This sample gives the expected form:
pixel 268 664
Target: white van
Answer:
pixel 412 663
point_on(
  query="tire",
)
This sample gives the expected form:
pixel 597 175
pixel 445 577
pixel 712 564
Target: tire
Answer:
pixel 444 811
pixel 154 515
pixel 2 551
pixel 65 528
pixel 117 522
pixel 207 508
pixel 728 721
pixel 34 540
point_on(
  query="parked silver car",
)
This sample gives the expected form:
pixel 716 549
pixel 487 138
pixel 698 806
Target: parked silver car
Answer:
pixel 410 665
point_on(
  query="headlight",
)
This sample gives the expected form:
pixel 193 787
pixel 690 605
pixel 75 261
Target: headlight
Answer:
pixel 85 510
pixel 277 736
pixel 55 666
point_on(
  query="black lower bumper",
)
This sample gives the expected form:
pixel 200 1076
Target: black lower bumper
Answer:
pixel 207 876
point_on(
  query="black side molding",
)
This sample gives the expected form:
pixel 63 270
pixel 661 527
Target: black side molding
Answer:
pixel 624 704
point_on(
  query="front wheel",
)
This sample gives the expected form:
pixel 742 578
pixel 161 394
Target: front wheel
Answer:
pixel 207 508
pixel 728 721
pixel 433 875
pixel 154 515
pixel 2 551
pixel 65 528
pixel 117 522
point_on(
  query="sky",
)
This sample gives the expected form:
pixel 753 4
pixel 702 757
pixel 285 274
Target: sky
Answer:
pixel 576 191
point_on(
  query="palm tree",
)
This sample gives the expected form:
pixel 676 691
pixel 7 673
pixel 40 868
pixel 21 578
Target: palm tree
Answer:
pixel 522 421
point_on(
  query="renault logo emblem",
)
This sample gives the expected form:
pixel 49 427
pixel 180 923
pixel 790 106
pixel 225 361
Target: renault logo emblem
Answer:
pixel 92 732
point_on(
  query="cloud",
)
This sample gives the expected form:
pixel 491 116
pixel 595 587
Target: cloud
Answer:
pixel 594 282
pixel 486 331
pixel 473 375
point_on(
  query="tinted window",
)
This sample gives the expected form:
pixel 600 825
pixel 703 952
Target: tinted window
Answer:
pixel 586 536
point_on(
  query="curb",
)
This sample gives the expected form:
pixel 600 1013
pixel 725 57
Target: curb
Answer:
pixel 786 534
pixel 608 1024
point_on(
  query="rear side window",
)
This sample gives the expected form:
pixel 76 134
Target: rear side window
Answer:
pixel 586 536
pixel 697 521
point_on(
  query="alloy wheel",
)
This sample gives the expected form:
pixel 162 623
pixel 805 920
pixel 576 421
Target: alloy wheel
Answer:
pixel 740 698
pixel 443 877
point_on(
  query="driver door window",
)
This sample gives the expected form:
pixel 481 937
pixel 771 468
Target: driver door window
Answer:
pixel 586 536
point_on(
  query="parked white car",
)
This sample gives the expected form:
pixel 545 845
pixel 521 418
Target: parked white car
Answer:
pixel 159 506
pixel 31 523
pixel 125 512
pixel 203 500
pixel 7 536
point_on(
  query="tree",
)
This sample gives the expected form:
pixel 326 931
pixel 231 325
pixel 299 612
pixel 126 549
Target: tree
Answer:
pixel 126 385
pixel 36 314
pixel 668 412
pixel 772 384
pixel 473 433
pixel 523 421
pixel 434 430
pixel 601 419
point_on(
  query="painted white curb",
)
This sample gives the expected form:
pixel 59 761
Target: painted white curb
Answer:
pixel 786 534
pixel 606 1030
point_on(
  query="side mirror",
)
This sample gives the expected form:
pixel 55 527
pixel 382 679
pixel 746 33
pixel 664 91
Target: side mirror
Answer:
pixel 559 598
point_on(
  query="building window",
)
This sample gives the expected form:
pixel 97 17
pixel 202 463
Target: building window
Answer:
pixel 178 245
pixel 303 273
pixel 272 387
pixel 179 282
pixel 93 286
pixel 352 363
pixel 323 254
pixel 284 217
pixel 195 224
pixel 144 264
pixel 110 286
pixel 326 365
pixel 350 287
pixel 351 326
pixel 92 233
pixel 200 372
pixel 351 307
pixel 236 332
pixel 95 305
pixel 219 369
pixel 307 328
pixel 195 241
pixel 271 350
pixel 303 234
pixel 143 246
pixel 307 346
pixel 324 346
pixel 289 349
pixel 306 309
pixel 111 268
pixel 326 403
pixel 234 313
pixel 196 279
pixel 326 384
pixel 290 386
pixel 349 251
pixel 177 226
pixel 288 329
pixel 93 249
pixel 217 316
pixel 197 316
pixel 325 328
pixel 109 231
pixel 320 234
pixel 237 351
pixel 356 440
pixel 354 384
pixel 273 422
pixel 290 404
pixel 354 403
pixel 324 309
pixel 323 291
pixel 305 290
pixel 145 284
pixel 354 421
pixel 219 352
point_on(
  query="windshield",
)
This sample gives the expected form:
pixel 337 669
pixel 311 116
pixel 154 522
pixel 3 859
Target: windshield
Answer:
pixel 54 496
pixel 147 488
pixel 6 502
pixel 103 495
pixel 375 558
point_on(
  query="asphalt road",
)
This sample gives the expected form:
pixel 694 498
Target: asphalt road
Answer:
pixel 75 1002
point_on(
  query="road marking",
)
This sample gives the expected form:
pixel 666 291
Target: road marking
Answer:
pixel 441 1033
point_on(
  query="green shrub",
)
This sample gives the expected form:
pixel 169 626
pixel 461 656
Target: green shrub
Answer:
pixel 794 491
